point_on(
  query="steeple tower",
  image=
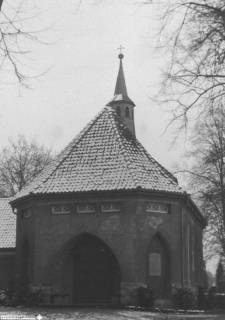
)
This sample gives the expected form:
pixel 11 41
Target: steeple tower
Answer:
pixel 121 102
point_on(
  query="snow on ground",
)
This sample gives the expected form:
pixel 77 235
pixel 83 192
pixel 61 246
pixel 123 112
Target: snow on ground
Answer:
pixel 96 314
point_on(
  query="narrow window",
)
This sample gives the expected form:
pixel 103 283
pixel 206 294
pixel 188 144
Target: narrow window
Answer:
pixel 154 264
pixel 118 111
pixel 127 113
pixel 193 250
pixel 188 254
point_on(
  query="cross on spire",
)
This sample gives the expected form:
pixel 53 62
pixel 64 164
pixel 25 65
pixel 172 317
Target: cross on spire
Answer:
pixel 121 48
pixel 121 54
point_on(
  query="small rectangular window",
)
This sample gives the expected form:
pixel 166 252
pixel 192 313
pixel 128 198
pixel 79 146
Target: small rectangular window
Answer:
pixel 110 207
pixel 157 207
pixel 61 209
pixel 86 208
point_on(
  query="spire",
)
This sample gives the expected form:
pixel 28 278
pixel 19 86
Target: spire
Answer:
pixel 120 82
pixel 120 93
pixel 123 105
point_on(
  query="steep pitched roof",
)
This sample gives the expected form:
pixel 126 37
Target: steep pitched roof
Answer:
pixel 103 157
pixel 7 225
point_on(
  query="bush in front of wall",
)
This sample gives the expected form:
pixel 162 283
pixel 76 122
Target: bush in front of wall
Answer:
pixel 145 297
pixel 202 298
pixel 183 298
pixel 29 296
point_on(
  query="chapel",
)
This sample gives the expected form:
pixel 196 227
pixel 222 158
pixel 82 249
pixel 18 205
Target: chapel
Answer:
pixel 105 219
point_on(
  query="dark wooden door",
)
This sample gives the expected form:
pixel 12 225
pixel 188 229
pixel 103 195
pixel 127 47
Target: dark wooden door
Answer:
pixel 96 275
pixel 159 267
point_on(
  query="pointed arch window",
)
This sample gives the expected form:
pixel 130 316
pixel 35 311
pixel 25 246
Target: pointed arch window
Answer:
pixel 127 112
pixel 159 265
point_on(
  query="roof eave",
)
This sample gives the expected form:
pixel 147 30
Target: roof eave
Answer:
pixel 137 190
pixel 114 101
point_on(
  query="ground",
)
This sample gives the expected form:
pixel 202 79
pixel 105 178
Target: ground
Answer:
pixel 97 314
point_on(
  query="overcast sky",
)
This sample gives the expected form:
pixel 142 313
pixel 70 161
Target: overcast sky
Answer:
pixel 80 66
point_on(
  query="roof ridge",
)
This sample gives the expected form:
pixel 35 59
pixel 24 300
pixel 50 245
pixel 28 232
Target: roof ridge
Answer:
pixel 117 118
pixel 163 169
pixel 70 146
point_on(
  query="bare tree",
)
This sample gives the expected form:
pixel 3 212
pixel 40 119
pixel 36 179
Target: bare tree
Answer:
pixel 194 33
pixel 15 39
pixel 20 162
pixel 206 174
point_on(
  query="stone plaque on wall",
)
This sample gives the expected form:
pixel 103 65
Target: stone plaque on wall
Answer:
pixel 154 264
pixel 110 207
pixel 58 209
pixel 156 207
pixel 86 208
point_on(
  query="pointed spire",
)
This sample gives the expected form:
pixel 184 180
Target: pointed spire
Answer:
pixel 120 93
pixel 123 105
pixel 120 82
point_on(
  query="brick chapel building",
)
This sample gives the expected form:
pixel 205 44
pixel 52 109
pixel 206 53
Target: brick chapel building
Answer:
pixel 105 218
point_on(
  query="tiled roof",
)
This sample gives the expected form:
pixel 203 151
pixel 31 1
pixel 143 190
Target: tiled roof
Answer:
pixel 7 225
pixel 103 157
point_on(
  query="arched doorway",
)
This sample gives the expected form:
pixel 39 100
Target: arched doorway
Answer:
pixel 159 267
pixel 96 276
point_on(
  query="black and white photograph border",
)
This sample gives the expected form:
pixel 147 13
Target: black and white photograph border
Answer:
pixel 112 152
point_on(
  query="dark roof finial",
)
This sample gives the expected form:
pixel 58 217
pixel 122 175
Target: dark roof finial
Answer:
pixel 120 56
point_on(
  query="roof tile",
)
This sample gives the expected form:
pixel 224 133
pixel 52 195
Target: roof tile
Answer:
pixel 104 156
pixel 7 224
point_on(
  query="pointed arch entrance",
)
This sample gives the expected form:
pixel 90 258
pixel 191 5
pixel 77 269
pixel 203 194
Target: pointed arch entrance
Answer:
pixel 159 266
pixel 96 273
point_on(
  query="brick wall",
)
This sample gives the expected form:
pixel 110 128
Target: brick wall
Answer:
pixel 127 233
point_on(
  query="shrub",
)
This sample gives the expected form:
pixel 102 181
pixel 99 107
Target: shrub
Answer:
pixel 183 298
pixel 215 299
pixel 4 300
pixel 29 296
pixel 34 298
pixel 211 298
pixel 202 298
pixel 145 297
pixel 219 300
